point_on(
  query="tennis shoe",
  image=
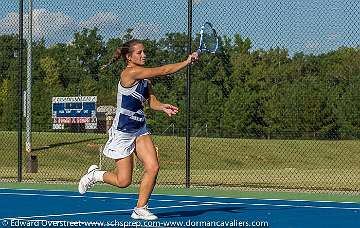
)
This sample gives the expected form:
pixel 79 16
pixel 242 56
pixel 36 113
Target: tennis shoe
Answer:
pixel 143 213
pixel 88 180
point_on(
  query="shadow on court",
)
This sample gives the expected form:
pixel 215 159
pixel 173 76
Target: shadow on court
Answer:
pixel 217 210
pixel 195 213
pixel 203 212
pixel 64 144
pixel 188 213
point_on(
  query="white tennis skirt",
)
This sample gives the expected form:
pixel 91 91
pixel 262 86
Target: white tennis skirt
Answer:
pixel 122 144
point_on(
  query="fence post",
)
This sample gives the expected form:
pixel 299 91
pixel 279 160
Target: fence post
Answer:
pixel 188 86
pixel 20 96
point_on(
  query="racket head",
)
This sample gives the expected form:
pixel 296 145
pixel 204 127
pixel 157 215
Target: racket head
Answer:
pixel 209 41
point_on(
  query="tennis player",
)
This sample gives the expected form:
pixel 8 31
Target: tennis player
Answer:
pixel 129 133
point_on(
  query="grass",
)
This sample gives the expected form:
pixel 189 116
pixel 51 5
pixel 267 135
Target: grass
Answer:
pixel 289 164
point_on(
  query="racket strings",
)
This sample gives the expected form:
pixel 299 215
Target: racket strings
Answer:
pixel 209 38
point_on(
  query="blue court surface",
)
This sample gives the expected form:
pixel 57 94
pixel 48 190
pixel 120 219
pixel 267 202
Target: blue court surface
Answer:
pixel 35 208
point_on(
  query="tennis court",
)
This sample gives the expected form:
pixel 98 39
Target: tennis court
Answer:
pixel 49 208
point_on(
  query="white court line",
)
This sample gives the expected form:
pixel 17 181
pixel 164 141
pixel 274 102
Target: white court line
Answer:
pixel 182 206
pixel 265 199
pixel 214 197
pixel 288 205
pixel 67 214
pixel 101 212
pixel 94 197
pixel 65 196
pixel 165 200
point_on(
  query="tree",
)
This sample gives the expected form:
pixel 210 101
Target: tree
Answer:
pixel 9 48
pixel 52 76
pixel 88 48
pixel 9 87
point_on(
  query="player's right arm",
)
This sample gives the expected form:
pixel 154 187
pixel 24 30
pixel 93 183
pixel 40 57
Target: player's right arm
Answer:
pixel 138 73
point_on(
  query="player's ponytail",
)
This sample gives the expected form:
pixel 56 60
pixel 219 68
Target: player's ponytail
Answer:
pixel 115 58
pixel 122 52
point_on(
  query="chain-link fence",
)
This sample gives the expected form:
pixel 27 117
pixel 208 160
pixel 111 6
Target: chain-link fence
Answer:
pixel 277 106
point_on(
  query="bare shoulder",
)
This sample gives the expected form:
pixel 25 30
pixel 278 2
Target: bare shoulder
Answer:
pixel 126 77
pixel 134 70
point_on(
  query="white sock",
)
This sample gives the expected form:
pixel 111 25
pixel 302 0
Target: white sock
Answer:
pixel 99 175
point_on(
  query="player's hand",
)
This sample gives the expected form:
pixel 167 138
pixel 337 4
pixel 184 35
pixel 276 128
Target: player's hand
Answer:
pixel 169 109
pixel 193 57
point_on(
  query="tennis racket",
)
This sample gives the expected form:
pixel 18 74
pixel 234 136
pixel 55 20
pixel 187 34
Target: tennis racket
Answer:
pixel 209 41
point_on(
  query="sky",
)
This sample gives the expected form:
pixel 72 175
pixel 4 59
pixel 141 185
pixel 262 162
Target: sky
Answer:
pixel 309 26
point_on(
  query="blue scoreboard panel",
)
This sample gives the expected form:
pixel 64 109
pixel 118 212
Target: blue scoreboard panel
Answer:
pixel 74 110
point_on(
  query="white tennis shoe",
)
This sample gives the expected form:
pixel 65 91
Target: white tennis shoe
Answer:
pixel 143 213
pixel 88 180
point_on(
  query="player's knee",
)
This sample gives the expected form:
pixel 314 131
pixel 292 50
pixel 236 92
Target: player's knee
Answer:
pixel 153 169
pixel 123 182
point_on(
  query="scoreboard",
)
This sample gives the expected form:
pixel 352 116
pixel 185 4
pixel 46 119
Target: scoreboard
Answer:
pixel 74 111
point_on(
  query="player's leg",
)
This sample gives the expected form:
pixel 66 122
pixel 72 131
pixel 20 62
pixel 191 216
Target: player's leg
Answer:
pixel 122 176
pixel 146 153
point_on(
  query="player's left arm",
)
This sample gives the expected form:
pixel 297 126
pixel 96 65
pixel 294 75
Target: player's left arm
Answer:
pixel 156 105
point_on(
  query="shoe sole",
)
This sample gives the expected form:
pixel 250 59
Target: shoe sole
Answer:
pixel 138 217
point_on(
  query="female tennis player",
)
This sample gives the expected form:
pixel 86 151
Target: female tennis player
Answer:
pixel 129 132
